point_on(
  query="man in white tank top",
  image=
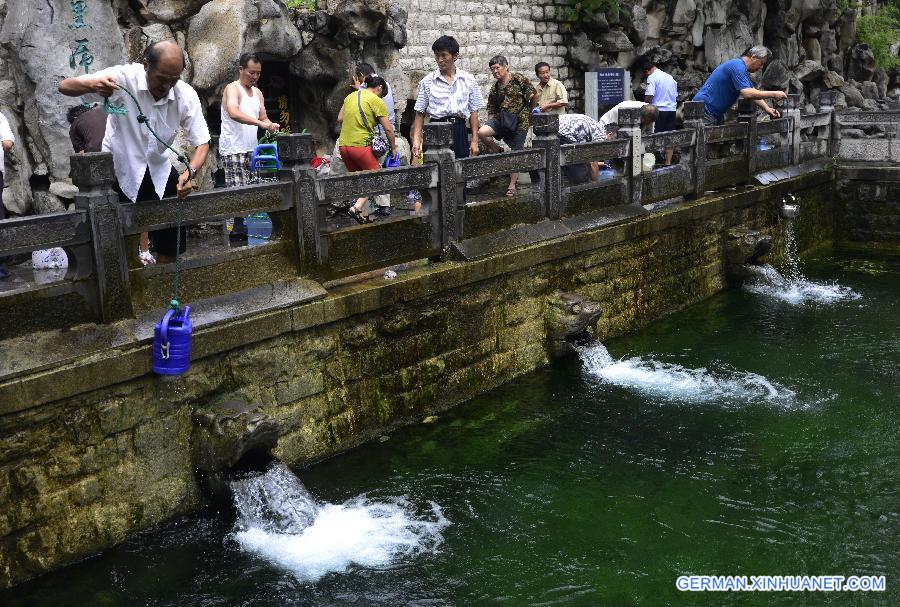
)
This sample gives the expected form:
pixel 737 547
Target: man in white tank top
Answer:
pixel 243 112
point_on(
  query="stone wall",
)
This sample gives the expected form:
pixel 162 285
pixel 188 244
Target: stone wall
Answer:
pixel 868 215
pixel 84 462
pixel 525 31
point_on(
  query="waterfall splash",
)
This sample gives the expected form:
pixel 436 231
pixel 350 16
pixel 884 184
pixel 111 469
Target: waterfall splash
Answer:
pixel 789 285
pixel 280 521
pixel 674 382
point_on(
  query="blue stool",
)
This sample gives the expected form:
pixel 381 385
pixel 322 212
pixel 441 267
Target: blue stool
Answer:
pixel 265 158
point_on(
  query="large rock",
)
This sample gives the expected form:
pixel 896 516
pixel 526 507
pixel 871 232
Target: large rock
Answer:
pixel 776 77
pixel 43 38
pixel 869 90
pixel 832 80
pixel 722 44
pixel 168 11
pixel 223 29
pixel 852 95
pixel 862 63
pixel 809 71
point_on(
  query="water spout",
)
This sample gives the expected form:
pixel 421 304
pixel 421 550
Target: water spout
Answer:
pixel 789 210
pixel 568 317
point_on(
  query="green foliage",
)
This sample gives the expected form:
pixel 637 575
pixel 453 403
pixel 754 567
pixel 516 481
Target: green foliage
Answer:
pixel 585 9
pixel 880 30
pixel 309 5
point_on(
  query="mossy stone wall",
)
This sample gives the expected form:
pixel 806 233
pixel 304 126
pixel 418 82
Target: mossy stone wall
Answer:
pixel 82 472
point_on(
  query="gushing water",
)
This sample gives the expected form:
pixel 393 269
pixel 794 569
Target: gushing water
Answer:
pixel 280 521
pixel 789 285
pixel 678 383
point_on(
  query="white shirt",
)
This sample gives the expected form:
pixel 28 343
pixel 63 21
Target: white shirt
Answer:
pixel 6 134
pixel 612 116
pixel 440 99
pixel 133 148
pixel 664 90
pixel 236 137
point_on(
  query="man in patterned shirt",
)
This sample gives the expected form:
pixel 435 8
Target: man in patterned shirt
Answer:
pixel 509 101
pixel 450 95
pixel 578 128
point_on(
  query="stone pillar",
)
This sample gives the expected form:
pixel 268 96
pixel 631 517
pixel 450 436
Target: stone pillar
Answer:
pixel 449 197
pixel 747 114
pixel 94 176
pixel 792 111
pixel 295 151
pixel 692 111
pixel 630 128
pixel 833 131
pixel 546 136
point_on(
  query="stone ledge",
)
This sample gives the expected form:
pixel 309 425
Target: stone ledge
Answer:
pixel 121 352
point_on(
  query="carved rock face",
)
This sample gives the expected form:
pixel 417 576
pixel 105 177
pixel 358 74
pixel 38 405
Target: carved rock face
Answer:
pixel 568 315
pixel 225 433
pixel 744 247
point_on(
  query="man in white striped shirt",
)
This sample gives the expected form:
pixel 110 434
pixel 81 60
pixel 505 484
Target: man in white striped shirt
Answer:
pixel 448 94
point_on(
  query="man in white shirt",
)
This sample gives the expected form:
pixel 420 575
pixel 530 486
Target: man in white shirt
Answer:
pixel 648 116
pixel 662 91
pixel 448 94
pixel 142 167
pixel 6 143
pixel 243 112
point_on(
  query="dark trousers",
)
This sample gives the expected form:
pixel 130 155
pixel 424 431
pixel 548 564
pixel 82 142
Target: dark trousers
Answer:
pixel 162 241
pixel 2 216
pixel 460 143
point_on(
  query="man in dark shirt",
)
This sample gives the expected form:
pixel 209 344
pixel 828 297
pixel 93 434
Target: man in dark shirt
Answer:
pixel 88 128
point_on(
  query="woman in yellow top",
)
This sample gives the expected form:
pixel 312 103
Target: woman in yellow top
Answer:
pixel 362 112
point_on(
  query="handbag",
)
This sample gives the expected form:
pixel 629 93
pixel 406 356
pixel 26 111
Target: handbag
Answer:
pixel 509 123
pixel 379 143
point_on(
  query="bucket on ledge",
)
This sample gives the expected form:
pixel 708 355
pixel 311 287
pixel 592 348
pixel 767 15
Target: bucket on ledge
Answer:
pixel 172 342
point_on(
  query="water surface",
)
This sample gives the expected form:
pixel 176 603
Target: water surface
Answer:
pixel 750 434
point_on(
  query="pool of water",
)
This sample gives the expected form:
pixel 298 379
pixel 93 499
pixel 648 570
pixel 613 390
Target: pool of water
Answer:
pixel 750 434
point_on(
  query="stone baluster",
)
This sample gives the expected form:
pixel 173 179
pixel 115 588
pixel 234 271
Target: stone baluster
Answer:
pixel 692 111
pixel 832 131
pixel 295 151
pixel 546 136
pixel 448 197
pixel 792 111
pixel 93 174
pixel 747 114
pixel 630 128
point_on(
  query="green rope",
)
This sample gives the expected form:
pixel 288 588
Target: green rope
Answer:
pixel 121 110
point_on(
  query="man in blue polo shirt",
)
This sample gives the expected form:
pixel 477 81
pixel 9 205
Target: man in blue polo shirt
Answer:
pixel 732 80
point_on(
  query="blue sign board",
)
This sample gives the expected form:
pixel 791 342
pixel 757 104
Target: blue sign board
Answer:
pixel 610 85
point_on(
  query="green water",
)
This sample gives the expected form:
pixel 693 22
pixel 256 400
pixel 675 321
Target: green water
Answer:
pixel 563 488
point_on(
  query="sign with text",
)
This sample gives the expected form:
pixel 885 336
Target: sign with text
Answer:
pixel 604 88
pixel 610 85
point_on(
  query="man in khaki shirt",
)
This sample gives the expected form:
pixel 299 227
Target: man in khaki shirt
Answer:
pixel 551 96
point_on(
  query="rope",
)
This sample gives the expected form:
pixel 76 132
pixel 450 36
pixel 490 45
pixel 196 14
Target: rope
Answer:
pixel 121 110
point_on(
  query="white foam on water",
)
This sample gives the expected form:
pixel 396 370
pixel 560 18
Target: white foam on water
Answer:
pixel 675 382
pixel 279 521
pixel 769 282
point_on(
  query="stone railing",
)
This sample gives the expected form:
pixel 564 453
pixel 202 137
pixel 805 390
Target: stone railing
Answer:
pixel 101 287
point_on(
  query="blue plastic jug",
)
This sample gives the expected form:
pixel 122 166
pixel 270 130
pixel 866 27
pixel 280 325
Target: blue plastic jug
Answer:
pixel 392 161
pixel 265 158
pixel 172 342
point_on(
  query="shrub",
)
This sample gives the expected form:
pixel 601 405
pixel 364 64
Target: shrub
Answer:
pixel 880 30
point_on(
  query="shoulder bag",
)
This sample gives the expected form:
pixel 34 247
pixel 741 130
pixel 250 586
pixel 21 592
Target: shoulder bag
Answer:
pixel 379 143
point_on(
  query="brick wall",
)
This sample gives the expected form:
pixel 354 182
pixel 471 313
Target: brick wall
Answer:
pixel 526 32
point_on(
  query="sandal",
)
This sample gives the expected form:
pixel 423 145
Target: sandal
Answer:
pixel 359 217
pixel 510 192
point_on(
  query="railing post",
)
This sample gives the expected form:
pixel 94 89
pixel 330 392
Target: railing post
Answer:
pixel 295 152
pixel 546 136
pixel 438 138
pixel 747 114
pixel 833 131
pixel 630 128
pixel 692 111
pixel 792 110
pixel 94 175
